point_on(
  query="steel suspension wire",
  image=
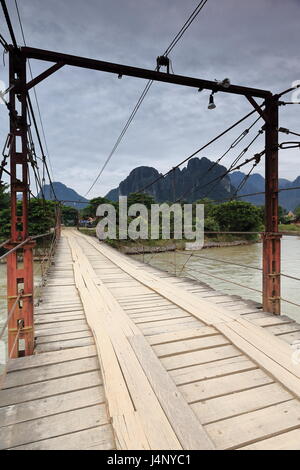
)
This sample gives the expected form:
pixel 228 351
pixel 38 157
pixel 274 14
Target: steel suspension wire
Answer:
pixel 198 151
pixel 186 25
pixel 31 111
pixel 34 90
pixel 233 145
pixel 146 89
pixel 8 22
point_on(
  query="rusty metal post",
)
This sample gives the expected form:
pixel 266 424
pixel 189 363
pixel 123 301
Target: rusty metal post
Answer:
pixel 19 263
pixel 271 237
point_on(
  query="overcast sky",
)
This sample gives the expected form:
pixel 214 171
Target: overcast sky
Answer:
pixel 255 43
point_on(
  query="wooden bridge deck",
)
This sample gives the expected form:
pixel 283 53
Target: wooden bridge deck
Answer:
pixel 129 357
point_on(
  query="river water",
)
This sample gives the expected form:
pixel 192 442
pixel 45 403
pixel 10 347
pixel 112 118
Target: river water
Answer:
pixel 250 255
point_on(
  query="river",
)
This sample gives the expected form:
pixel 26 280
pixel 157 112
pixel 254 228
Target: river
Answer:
pixel 250 255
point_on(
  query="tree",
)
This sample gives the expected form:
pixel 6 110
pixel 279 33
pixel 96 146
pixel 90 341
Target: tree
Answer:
pixel 237 216
pixel 69 216
pixel 4 212
pixel 41 216
pixel 208 206
pixel 90 210
pixel 140 198
pixel 297 213
pixel 4 196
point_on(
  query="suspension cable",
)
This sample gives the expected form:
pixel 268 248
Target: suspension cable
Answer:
pixel 146 89
pixel 198 151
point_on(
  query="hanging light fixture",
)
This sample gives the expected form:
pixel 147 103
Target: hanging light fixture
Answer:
pixel 211 104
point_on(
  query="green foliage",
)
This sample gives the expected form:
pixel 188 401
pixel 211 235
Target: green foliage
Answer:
pixel 4 212
pixel 208 206
pixel 211 225
pixel 69 216
pixel 41 216
pixel 297 213
pixel 238 216
pixel 140 198
pixel 4 196
pixel 90 210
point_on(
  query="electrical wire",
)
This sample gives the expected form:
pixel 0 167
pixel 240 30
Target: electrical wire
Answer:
pixel 145 91
pixel 197 151
pixel 34 90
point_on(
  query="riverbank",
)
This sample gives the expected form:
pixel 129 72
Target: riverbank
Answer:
pixel 129 247
pixel 142 249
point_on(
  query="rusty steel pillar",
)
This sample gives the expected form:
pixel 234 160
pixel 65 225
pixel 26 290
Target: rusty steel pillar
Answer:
pixel 20 262
pixel 271 237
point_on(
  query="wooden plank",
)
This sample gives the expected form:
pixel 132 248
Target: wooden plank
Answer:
pixel 238 403
pixel 53 371
pixel 283 328
pixel 34 409
pixel 200 357
pixel 272 321
pixel 65 344
pixel 60 330
pixel 63 336
pixel 50 318
pixel 148 414
pixel 52 426
pixel 195 344
pixel 215 387
pixel 49 388
pixel 157 318
pixel 212 369
pixel 284 376
pixel 207 312
pixel 187 428
pixel 62 324
pixel 287 441
pixel 39 360
pixel 245 429
pixel 271 345
pixel 291 338
pixel 158 328
pixel 181 335
pixel 98 438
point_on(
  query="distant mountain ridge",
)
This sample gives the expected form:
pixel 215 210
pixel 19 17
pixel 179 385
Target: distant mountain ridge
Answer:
pixel 195 182
pixel 190 183
pixel 63 193
pixel 289 199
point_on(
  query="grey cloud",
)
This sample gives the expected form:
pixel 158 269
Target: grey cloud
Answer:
pixel 254 43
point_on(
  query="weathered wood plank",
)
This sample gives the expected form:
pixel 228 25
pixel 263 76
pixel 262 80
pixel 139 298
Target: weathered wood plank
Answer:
pixel 42 407
pixel 52 426
pixel 238 403
pixel 215 387
pixel 247 428
pixel 26 393
pixel 98 438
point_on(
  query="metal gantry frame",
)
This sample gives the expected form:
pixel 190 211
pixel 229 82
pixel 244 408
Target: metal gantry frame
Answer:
pixel 21 277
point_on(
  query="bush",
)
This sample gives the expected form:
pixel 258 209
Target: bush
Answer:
pixel 238 216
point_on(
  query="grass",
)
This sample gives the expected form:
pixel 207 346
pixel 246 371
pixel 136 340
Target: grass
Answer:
pixel 180 244
pixel 289 228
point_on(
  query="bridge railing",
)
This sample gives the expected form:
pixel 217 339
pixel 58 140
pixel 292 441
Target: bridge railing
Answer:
pixel 183 266
pixel 16 325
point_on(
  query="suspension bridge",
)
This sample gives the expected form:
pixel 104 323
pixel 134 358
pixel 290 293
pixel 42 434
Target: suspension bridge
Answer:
pixel 118 354
pixel 130 357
